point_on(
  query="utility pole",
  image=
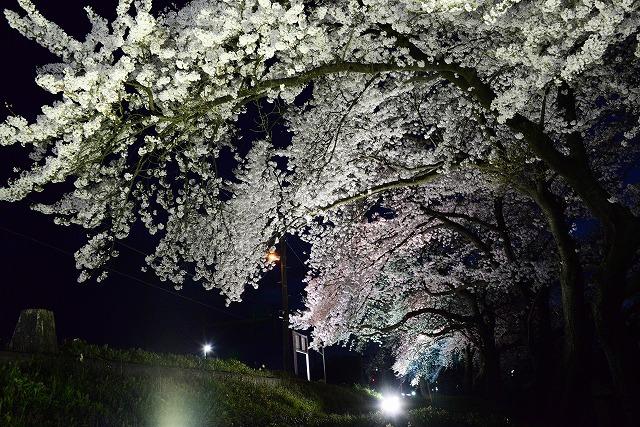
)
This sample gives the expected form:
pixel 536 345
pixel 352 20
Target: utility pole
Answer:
pixel 287 355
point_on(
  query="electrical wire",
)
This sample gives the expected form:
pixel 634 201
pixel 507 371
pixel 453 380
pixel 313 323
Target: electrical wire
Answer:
pixel 295 253
pixel 128 276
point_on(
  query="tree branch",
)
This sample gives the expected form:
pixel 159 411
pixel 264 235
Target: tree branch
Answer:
pixel 574 171
pixel 464 231
pixel 423 178
pixel 415 313
pixel 453 291
pixel 498 210
pixel 469 218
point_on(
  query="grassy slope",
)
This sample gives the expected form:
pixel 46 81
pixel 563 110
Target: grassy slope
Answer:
pixel 64 392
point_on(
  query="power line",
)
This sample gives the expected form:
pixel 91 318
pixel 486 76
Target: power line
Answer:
pixel 128 276
pixel 294 252
pixel 188 274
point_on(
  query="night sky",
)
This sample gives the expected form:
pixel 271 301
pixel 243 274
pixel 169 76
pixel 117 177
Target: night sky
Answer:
pixel 131 308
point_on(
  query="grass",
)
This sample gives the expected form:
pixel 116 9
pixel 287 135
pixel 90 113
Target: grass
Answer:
pixel 54 394
pixel 422 417
pixel 78 348
pixel 65 392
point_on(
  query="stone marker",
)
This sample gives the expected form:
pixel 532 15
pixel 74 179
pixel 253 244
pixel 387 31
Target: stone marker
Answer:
pixel 35 332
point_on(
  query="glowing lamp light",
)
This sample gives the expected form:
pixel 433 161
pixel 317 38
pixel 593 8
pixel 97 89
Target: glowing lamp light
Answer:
pixel 273 256
pixel 391 405
pixel 206 349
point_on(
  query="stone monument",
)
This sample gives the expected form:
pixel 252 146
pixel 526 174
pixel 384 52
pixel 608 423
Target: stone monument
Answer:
pixel 35 332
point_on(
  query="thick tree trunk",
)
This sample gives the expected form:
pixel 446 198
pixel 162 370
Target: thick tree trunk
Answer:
pixel 487 382
pixel 539 340
pixel 479 378
pixel 610 327
pixel 620 235
pixel 574 389
pixel 540 345
pixel 489 377
pixel 620 232
pixel 467 386
pixel 425 390
pixel 492 380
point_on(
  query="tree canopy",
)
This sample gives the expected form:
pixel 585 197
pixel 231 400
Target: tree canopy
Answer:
pixel 487 130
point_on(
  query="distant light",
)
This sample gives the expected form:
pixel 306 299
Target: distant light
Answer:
pixel 436 388
pixel 391 405
pixel 206 349
pixel 413 393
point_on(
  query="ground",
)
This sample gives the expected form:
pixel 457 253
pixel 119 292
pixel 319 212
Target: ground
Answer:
pixel 87 385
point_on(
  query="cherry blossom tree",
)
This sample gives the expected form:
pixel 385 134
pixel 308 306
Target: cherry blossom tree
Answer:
pixel 445 272
pixel 543 94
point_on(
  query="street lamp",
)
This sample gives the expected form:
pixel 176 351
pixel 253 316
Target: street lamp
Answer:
pixel 206 349
pixel 272 256
pixel 391 405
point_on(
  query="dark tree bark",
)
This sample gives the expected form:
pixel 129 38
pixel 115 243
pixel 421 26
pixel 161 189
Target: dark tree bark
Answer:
pixel 467 386
pixel 575 363
pixel 425 390
pixel 621 240
pixel 491 381
pixel 539 342
pixel 487 382
pixel 622 356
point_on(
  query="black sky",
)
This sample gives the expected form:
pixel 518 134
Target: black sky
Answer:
pixel 131 308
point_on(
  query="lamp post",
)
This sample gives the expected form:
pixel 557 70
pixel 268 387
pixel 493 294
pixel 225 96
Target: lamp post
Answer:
pixel 272 256
pixel 287 354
